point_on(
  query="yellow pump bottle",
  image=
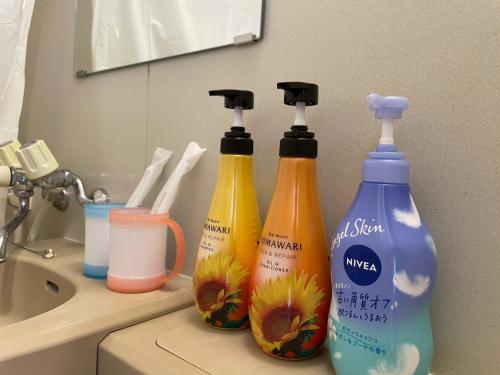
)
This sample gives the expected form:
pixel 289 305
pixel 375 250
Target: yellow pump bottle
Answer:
pixel 291 288
pixel 228 246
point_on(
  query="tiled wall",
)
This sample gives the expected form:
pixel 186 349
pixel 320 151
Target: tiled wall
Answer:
pixel 444 56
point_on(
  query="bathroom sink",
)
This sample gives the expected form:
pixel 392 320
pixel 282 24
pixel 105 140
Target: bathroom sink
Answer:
pixel 28 290
pixel 52 318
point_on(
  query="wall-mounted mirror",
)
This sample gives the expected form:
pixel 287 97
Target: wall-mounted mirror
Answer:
pixel 115 33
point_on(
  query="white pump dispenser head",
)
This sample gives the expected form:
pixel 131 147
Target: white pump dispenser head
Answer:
pixel 387 109
pixel 300 95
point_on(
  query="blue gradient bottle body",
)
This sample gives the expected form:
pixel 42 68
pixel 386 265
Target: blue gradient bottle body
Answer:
pixel 383 272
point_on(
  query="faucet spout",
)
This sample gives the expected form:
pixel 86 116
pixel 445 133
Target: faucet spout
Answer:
pixel 65 178
pixel 4 238
pixel 13 223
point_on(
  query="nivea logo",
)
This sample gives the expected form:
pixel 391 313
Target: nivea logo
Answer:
pixel 362 265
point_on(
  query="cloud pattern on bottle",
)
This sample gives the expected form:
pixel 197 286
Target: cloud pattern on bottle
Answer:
pixel 413 287
pixel 407 362
pixel 333 315
pixel 409 217
pixel 430 242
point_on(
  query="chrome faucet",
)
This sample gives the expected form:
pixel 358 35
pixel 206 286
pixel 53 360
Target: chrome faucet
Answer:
pixel 53 182
pixel 23 190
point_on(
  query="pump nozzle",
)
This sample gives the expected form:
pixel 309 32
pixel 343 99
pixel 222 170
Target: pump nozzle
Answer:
pixel 236 141
pixel 237 100
pixel 387 108
pixel 299 94
pixel 299 142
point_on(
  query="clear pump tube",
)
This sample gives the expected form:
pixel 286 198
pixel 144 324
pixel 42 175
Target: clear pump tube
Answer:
pixel 300 114
pixel 238 116
pixel 387 137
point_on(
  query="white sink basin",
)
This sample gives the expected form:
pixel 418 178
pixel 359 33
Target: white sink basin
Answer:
pixel 28 290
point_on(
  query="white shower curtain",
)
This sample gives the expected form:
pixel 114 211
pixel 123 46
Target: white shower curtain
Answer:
pixel 15 19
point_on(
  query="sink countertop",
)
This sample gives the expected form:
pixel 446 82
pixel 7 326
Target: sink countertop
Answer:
pixel 93 309
pixel 181 344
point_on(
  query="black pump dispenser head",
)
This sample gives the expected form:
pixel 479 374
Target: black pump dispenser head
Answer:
pixel 299 142
pixel 236 141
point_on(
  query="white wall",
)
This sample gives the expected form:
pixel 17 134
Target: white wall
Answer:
pixel 445 56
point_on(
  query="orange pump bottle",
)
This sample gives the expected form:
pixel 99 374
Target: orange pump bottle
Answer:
pixel 291 288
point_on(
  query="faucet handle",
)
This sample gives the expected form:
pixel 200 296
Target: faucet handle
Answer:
pixel 6 178
pixel 8 154
pixel 37 159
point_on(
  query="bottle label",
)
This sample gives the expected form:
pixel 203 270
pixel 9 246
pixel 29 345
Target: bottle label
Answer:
pixel 378 321
pixel 220 279
pixel 277 256
pixel 215 238
pixel 289 306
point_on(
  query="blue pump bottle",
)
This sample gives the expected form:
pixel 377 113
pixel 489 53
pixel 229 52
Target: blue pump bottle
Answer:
pixel 383 268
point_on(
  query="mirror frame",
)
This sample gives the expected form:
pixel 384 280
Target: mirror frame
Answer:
pixel 240 40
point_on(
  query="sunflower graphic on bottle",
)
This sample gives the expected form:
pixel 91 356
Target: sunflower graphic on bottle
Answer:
pixel 284 315
pixel 219 289
pixel 290 287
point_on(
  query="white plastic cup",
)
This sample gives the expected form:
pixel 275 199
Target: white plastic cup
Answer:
pixel 137 250
pixel 95 264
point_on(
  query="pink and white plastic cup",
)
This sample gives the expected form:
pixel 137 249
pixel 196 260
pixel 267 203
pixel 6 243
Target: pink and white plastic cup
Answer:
pixel 137 250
